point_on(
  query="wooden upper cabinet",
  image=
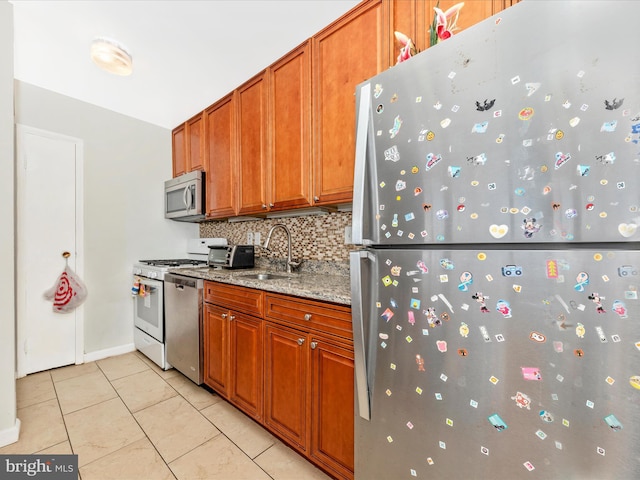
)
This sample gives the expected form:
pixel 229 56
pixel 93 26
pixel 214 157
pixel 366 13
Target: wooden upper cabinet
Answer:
pixel 346 53
pixel 178 144
pixel 220 158
pixel 414 19
pixel 194 135
pixel 253 131
pixel 290 121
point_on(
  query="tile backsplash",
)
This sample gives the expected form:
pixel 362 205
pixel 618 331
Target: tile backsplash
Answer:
pixel 318 238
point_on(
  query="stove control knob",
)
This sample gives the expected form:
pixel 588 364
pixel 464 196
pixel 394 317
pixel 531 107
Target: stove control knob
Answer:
pixel 137 271
pixel 153 274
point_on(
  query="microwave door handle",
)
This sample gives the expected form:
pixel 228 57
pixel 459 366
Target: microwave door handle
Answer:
pixel 188 198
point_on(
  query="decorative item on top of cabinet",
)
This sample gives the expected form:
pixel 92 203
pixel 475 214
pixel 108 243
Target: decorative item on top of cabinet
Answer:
pixel 253 153
pixel 345 54
pixel 220 157
pixel 233 345
pixel 414 18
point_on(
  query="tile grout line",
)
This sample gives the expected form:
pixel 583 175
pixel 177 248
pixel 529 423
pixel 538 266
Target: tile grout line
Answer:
pixel 133 416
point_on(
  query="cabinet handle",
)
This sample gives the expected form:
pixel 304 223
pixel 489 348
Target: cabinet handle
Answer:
pixel 307 316
pixel 316 198
pixel 232 317
pixel 264 206
pixel 314 345
pixel 300 341
pixel 223 315
pixel 271 205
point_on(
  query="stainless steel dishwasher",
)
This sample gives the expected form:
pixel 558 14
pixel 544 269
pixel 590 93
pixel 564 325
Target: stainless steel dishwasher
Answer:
pixel 183 324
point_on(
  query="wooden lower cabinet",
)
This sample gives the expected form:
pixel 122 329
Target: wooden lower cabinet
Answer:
pixel 288 363
pixel 216 349
pixel 286 389
pixel 233 349
pixel 332 406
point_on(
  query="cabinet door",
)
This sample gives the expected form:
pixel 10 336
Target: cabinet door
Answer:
pixel 220 153
pixel 252 100
pixel 178 145
pixel 286 384
pixel 246 363
pixel 195 143
pixel 332 411
pixel 344 54
pixel 290 118
pixel 216 349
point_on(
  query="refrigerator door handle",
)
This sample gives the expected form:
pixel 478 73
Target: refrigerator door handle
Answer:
pixel 362 388
pixel 362 134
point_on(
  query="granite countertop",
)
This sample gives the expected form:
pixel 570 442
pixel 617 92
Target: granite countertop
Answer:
pixel 315 285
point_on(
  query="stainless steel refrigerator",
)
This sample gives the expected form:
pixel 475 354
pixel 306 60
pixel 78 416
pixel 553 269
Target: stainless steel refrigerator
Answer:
pixel 495 297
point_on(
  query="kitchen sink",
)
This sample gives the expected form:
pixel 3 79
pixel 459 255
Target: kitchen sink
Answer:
pixel 265 276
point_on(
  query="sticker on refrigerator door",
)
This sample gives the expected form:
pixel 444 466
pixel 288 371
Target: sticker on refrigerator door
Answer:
pixel 498 423
pixel 522 400
pixel 504 308
pixel 377 90
pixel 432 160
pixel 531 373
pixel 582 279
pixel 613 422
pixel 546 416
pixel 392 154
pixel 466 279
pixel 481 299
pixel 498 231
pixel 420 363
pixel 387 314
pixel 480 159
pixel 620 308
pixel 597 299
pixel 480 127
pixel 485 333
pixel 627 229
pixel 397 123
pixel 537 337
pixel 530 227
pixel 634 381
pixel 609 126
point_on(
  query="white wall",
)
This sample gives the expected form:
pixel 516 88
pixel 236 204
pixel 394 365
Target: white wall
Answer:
pixel 126 162
pixel 8 426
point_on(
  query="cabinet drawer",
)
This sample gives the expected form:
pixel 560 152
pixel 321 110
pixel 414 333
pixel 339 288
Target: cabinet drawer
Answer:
pixel 240 299
pixel 309 314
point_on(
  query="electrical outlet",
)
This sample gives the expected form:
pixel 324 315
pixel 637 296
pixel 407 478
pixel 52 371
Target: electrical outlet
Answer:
pixel 347 235
pixel 249 238
pixel 256 238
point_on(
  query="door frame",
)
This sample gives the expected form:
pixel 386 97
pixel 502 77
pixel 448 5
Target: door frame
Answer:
pixel 21 327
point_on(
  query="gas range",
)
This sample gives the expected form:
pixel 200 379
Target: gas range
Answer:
pixel 197 253
pixel 157 268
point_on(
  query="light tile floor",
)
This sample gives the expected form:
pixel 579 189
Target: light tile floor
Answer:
pixel 126 418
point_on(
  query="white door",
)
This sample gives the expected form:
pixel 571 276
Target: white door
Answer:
pixel 49 189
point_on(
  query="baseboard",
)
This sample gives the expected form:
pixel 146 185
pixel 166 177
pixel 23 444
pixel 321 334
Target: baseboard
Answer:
pixel 109 352
pixel 10 435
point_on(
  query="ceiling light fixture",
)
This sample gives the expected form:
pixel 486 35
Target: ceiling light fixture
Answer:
pixel 111 56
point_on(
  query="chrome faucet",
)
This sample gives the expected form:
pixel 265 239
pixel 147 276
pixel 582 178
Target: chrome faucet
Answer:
pixel 290 263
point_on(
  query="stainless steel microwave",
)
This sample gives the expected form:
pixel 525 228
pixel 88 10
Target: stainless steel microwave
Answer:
pixel 184 198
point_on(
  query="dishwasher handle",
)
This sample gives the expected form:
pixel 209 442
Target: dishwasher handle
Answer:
pixel 181 282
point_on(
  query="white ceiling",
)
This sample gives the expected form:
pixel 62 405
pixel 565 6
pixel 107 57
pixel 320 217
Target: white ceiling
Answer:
pixel 186 54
